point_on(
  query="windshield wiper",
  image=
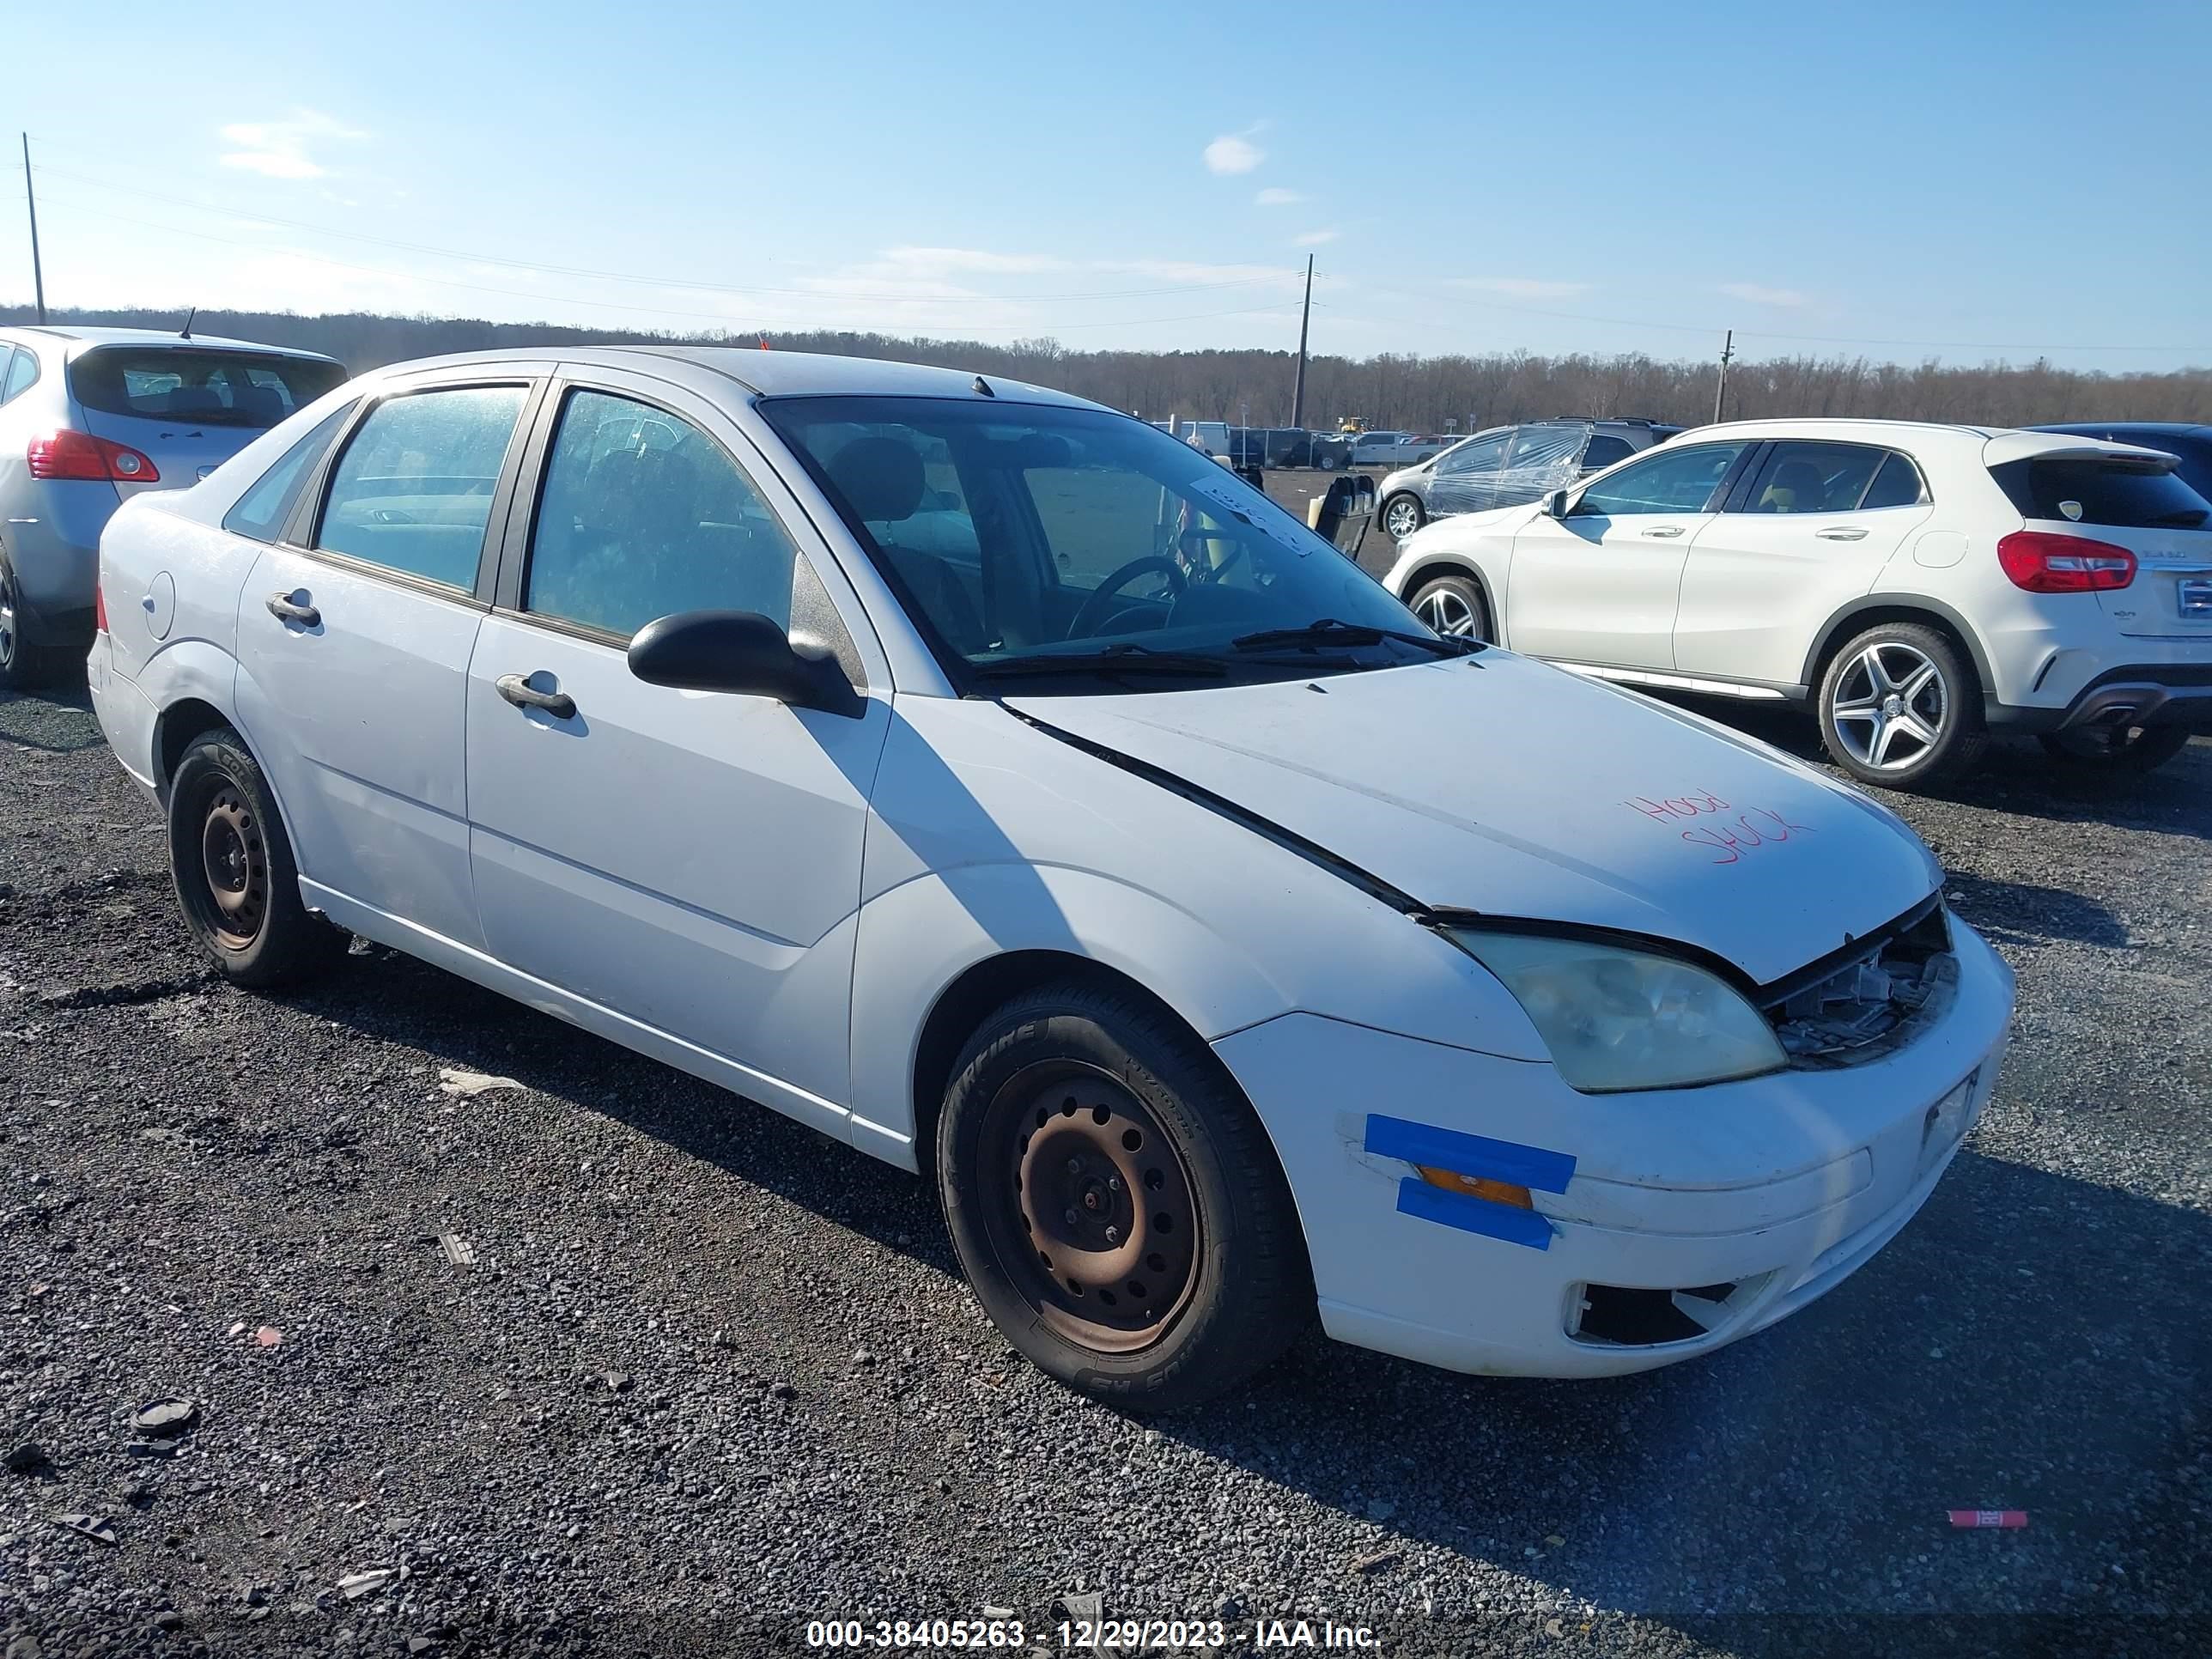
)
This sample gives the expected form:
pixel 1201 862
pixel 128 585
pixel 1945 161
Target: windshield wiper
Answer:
pixel 1127 658
pixel 1327 631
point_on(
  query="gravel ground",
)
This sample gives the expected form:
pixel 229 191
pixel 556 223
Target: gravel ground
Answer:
pixel 710 1375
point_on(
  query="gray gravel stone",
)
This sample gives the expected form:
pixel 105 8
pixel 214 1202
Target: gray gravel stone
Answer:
pixel 1787 1496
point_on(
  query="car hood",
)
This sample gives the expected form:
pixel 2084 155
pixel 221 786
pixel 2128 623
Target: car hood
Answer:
pixel 1498 784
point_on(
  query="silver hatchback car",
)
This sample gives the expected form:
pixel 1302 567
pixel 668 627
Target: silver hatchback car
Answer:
pixel 89 416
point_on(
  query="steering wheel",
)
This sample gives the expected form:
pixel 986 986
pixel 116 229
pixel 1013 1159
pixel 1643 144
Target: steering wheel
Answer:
pixel 1192 545
pixel 1093 610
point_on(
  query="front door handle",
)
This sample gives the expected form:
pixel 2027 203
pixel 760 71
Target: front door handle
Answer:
pixel 1842 533
pixel 1664 530
pixel 285 609
pixel 522 694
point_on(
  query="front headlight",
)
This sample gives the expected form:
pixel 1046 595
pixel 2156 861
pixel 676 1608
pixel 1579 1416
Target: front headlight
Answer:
pixel 1616 1018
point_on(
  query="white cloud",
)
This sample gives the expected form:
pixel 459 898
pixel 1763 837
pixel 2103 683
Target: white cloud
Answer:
pixel 1314 238
pixel 1787 297
pixel 1521 288
pixel 279 149
pixel 1276 196
pixel 1234 152
pixel 941 261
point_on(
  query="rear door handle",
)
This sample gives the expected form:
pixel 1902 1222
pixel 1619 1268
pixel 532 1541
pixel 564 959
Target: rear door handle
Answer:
pixel 1842 533
pixel 522 694
pixel 284 608
pixel 1664 530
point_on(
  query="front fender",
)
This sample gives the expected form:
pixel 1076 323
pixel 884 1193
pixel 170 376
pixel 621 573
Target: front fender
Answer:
pixel 918 938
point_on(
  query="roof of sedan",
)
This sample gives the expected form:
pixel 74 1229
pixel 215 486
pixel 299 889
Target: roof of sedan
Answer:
pixel 780 374
pixel 86 336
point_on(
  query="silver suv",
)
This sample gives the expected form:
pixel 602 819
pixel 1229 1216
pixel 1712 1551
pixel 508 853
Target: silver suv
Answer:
pixel 1506 465
pixel 89 416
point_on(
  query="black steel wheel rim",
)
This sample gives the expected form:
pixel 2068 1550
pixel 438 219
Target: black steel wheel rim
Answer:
pixel 233 869
pixel 1089 1207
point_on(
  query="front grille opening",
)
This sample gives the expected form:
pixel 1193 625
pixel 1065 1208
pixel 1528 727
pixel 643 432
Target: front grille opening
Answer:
pixel 1633 1318
pixel 1854 1011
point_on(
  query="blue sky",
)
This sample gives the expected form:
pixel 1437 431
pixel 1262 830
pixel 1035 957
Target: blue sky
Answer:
pixel 1969 180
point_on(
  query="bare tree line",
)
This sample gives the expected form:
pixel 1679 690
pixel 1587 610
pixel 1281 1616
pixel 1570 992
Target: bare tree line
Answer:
pixel 1424 394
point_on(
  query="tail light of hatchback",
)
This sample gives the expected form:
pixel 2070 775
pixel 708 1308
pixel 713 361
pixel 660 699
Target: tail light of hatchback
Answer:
pixel 67 453
pixel 99 609
pixel 2044 563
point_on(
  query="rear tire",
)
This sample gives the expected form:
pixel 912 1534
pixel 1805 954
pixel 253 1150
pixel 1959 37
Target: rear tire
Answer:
pixel 232 864
pixel 1901 706
pixel 1327 462
pixel 25 662
pixel 1453 606
pixel 2123 750
pixel 1114 1202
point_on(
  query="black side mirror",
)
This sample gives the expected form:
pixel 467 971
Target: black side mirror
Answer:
pixel 741 652
pixel 1555 504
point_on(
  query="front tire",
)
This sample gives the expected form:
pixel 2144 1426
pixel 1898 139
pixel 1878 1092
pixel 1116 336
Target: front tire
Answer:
pixel 1453 606
pixel 1900 706
pixel 2124 749
pixel 232 864
pixel 1115 1203
pixel 1402 515
pixel 1327 461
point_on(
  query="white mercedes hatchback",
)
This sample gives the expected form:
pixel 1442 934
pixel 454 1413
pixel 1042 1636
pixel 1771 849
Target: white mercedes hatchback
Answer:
pixel 998 785
pixel 1919 586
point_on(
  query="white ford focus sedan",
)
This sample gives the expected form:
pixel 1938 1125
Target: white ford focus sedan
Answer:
pixel 988 779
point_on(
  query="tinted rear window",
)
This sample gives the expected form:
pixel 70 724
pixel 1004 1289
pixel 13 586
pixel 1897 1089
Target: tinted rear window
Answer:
pixel 206 388
pixel 2119 495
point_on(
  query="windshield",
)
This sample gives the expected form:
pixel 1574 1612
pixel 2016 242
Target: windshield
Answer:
pixel 1026 538
pixel 203 387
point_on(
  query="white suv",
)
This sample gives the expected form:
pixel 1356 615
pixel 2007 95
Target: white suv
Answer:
pixel 1921 586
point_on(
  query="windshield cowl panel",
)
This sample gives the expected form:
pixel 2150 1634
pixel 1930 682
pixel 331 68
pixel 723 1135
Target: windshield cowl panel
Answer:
pixel 1014 534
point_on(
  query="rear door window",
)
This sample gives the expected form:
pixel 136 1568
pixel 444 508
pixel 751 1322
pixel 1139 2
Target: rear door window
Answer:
pixel 412 492
pixel 1813 478
pixel 205 387
pixel 2115 493
pixel 260 512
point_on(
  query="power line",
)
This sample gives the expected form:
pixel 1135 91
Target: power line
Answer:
pixel 726 318
pixel 1774 334
pixel 173 199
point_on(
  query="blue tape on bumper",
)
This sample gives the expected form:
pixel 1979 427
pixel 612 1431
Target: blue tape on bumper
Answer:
pixel 1473 1215
pixel 1469 1155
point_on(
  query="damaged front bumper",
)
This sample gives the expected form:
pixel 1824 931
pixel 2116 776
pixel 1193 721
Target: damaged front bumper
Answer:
pixel 1662 1223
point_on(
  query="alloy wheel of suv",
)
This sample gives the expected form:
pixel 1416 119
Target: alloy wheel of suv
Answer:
pixel 1402 516
pixel 1453 606
pixel 1899 707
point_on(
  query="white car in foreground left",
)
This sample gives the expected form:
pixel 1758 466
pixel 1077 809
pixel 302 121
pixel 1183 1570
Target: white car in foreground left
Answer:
pixel 991 780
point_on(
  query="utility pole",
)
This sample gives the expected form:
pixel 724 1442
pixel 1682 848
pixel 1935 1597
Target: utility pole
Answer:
pixel 31 201
pixel 1720 393
pixel 1299 387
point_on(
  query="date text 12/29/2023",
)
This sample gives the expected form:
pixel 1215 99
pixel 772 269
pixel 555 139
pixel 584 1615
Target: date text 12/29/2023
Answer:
pixel 1123 1635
